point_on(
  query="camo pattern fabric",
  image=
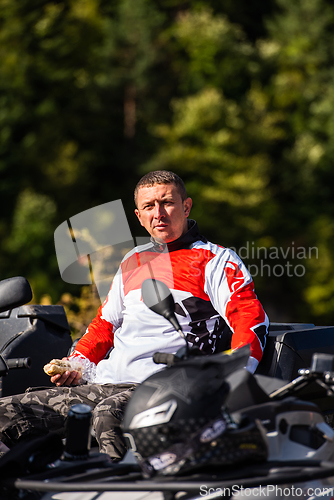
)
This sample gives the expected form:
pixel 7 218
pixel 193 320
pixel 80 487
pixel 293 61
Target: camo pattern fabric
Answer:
pixel 42 410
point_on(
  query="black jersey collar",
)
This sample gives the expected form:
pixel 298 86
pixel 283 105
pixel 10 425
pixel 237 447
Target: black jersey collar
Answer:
pixel 185 241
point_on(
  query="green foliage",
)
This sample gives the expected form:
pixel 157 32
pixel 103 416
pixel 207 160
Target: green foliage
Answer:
pixel 237 97
pixel 80 310
pixel 302 87
pixel 32 221
pixel 216 52
pixel 252 153
pixel 67 70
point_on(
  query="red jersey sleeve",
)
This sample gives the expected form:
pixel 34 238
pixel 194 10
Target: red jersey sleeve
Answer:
pixel 232 292
pixel 98 339
pixel 247 320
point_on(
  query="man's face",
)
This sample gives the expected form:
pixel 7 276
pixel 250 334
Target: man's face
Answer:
pixel 162 212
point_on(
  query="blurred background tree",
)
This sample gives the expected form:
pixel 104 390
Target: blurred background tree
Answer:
pixel 236 97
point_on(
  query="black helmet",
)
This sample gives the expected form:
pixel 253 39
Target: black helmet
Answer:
pixel 176 420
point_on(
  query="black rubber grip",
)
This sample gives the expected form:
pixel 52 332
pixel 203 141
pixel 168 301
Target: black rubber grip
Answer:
pixel 18 363
pixel 163 358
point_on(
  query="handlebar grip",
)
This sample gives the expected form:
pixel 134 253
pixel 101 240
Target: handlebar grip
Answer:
pixel 18 363
pixel 163 358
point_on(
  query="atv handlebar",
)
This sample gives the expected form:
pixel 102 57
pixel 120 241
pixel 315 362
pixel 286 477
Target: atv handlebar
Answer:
pixel 164 358
pixel 13 363
pixel 18 363
pixel 169 359
pixel 321 373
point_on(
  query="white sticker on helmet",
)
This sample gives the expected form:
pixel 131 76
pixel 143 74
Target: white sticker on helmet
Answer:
pixel 154 416
pixel 215 429
pixel 163 460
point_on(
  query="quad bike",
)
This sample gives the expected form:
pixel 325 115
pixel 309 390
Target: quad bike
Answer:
pixel 297 446
pixel 36 332
pixel 41 332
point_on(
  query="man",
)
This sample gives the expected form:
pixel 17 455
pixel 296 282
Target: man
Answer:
pixel 214 297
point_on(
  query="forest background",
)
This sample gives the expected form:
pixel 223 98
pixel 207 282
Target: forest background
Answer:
pixel 235 96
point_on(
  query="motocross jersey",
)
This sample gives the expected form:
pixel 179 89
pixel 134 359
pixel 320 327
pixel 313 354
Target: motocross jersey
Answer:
pixel 215 304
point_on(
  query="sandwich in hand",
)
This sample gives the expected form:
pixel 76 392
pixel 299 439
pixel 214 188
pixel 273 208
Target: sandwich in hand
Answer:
pixel 60 366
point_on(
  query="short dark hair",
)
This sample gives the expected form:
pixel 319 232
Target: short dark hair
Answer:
pixel 161 177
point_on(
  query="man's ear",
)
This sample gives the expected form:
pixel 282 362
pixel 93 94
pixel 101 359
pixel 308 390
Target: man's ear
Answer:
pixel 187 204
pixel 138 215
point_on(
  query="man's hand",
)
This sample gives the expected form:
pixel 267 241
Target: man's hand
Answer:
pixel 62 372
pixel 67 378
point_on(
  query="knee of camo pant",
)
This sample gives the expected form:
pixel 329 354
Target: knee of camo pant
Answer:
pixel 105 417
pixel 108 433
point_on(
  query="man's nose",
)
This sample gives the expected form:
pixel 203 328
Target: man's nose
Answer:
pixel 159 211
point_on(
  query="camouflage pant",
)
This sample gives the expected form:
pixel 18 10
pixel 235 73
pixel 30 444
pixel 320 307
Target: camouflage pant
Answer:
pixel 38 412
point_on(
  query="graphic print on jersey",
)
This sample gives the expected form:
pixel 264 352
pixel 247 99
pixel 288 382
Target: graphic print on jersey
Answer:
pixel 206 325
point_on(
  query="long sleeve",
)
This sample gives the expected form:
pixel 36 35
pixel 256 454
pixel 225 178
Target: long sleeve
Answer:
pixel 231 290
